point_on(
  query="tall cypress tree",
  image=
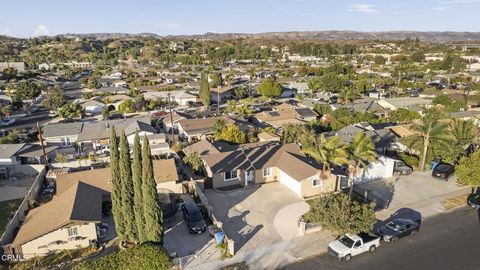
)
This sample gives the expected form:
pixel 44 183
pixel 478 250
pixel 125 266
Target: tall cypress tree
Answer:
pixel 204 92
pixel 127 190
pixel 116 186
pixel 137 188
pixel 152 211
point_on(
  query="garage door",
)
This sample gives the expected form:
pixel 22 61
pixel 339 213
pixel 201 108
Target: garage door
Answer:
pixel 291 183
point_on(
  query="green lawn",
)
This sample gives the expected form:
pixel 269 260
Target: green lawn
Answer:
pixel 7 210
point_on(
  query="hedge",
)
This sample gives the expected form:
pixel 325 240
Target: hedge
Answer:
pixel 143 256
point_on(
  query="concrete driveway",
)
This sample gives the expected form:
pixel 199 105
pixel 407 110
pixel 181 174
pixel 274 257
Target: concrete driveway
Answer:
pixel 178 240
pixel 248 214
pixel 418 191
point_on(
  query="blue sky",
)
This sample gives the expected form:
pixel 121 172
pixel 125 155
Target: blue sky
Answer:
pixel 27 18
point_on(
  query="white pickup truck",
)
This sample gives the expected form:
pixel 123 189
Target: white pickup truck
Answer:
pixel 349 245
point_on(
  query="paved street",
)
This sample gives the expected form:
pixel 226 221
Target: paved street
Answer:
pixel 30 121
pixel 447 241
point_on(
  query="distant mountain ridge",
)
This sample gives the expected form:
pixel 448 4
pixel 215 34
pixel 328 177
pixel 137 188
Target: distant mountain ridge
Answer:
pixel 428 36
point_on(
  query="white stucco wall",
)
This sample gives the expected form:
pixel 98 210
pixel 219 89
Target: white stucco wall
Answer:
pixel 40 247
pixel 382 168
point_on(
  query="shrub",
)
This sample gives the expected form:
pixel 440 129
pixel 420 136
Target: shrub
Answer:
pixel 410 160
pixel 340 214
pixel 144 256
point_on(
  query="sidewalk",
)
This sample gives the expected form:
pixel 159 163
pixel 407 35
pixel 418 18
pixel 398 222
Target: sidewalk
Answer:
pixel 274 256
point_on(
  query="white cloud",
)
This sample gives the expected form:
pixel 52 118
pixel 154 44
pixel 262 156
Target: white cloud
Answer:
pixel 41 30
pixel 362 8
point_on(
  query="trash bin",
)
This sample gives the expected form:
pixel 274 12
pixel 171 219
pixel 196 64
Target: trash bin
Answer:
pixel 219 237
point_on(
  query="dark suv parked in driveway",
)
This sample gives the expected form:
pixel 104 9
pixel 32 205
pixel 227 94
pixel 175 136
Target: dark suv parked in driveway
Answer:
pixel 194 217
pixel 442 171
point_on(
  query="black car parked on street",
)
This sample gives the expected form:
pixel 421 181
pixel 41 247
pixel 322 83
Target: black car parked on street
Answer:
pixel 398 228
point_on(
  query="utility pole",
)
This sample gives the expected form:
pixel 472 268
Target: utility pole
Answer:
pixel 40 137
pixel 171 119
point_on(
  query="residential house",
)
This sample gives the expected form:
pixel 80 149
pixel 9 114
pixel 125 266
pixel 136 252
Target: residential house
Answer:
pixel 93 106
pixel 403 102
pixel 221 94
pixel 67 222
pixel 285 114
pixel 97 134
pixel 164 171
pixel 259 163
pixel 63 135
pixel 196 129
pixel 382 136
pixel 172 121
pixel 8 153
pixel 114 101
pixel 180 97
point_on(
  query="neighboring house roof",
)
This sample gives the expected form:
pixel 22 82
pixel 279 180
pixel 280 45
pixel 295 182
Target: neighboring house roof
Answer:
pixel 101 129
pixel 402 130
pixel 112 90
pixel 224 89
pixel 65 129
pixel 80 203
pixel 179 94
pixel 268 136
pixel 205 147
pixel 380 137
pixel 198 126
pixel 92 102
pixel 117 98
pixel 35 151
pixel 163 170
pixel 287 157
pixel 9 150
pixel 285 114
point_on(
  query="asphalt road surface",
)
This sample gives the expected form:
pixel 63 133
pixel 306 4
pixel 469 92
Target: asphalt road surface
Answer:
pixel 446 242
pixel 30 121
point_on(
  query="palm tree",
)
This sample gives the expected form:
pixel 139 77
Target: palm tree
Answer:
pixel 327 151
pixel 361 152
pixel 348 95
pixel 430 133
pixel 463 132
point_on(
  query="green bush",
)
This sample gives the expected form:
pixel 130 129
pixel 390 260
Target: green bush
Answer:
pixel 340 214
pixel 144 256
pixel 410 160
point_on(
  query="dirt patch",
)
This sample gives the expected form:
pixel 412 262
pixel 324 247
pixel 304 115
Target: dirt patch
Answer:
pixel 455 202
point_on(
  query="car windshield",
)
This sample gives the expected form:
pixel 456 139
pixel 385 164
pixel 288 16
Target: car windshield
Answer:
pixel 393 226
pixel 442 168
pixel 195 216
pixel 346 241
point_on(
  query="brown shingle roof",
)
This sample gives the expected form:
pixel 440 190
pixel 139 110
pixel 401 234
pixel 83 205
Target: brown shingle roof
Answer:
pixel 78 204
pixel 163 170
pixel 287 157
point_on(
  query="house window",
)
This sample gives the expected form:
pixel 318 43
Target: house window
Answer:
pixel 65 141
pixel 72 231
pixel 267 172
pixel 316 182
pixel 231 175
